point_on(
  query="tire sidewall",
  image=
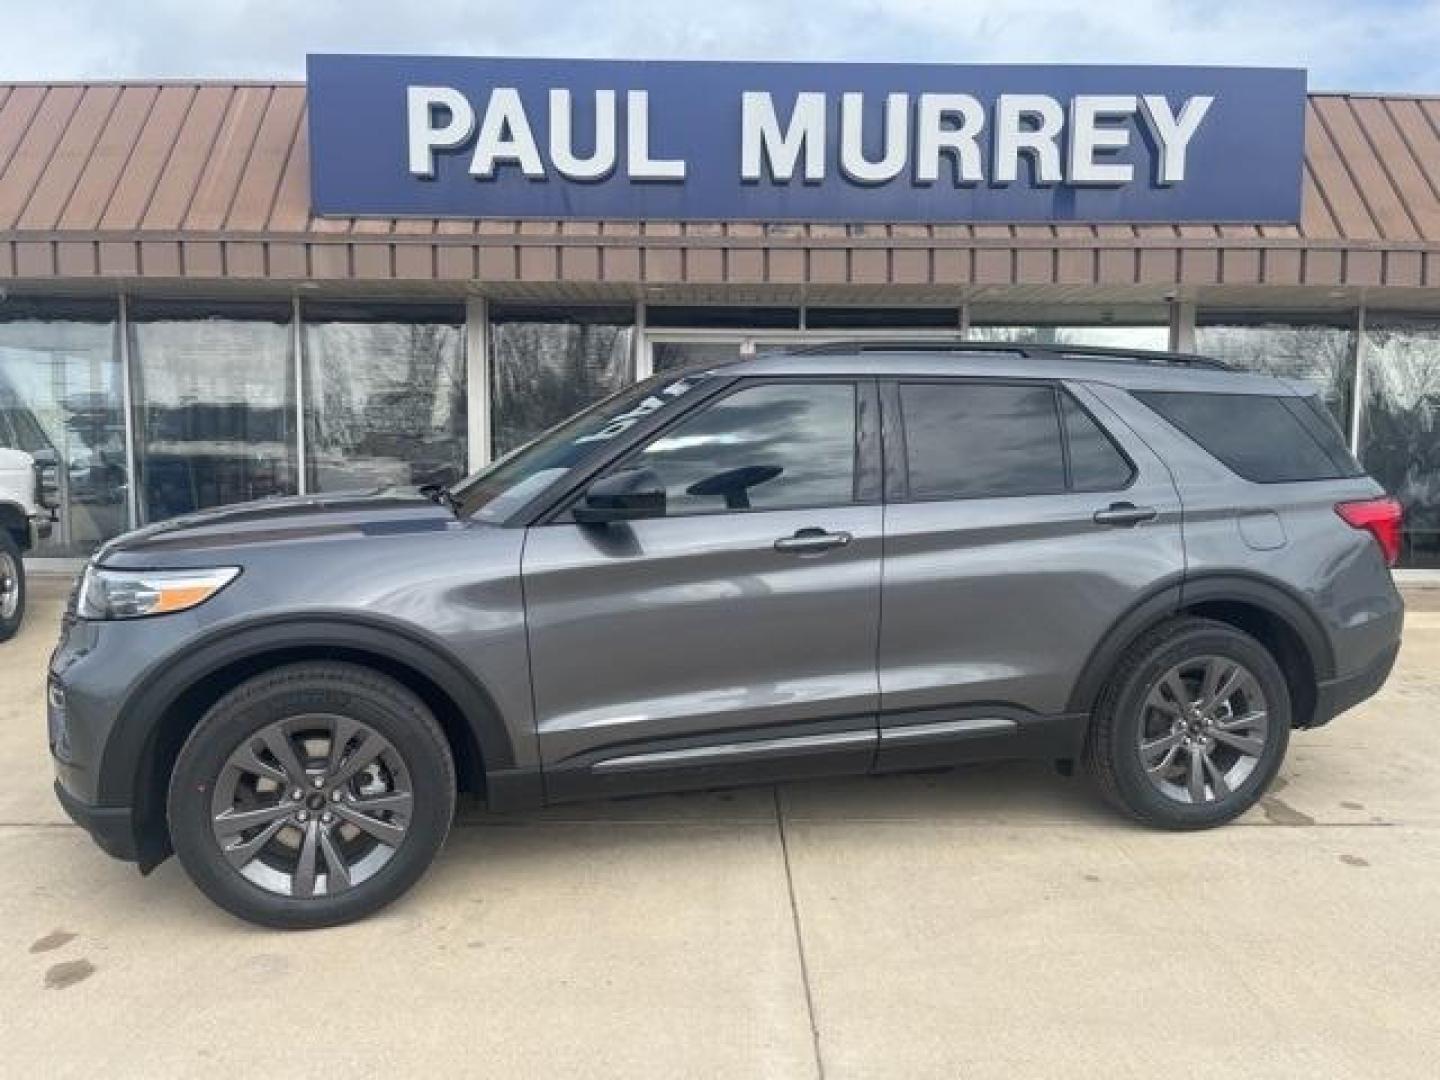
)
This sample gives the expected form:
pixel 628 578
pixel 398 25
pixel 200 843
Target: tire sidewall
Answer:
pixel 1128 713
pixel 11 626
pixel 249 709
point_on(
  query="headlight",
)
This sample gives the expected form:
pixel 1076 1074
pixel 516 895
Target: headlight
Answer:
pixel 131 594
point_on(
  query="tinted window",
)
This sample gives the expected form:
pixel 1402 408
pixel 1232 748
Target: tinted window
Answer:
pixel 1096 464
pixel 763 448
pixel 1268 439
pixel 975 440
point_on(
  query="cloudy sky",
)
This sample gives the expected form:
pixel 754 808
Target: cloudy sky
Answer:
pixel 1346 44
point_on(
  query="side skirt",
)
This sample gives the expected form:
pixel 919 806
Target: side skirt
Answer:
pixel 935 738
pixel 909 741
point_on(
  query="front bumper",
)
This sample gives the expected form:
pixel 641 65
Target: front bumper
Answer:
pixel 111 827
pixel 1334 696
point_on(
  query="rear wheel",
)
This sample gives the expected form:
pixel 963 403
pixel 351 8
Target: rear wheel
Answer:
pixel 12 587
pixel 311 795
pixel 1192 727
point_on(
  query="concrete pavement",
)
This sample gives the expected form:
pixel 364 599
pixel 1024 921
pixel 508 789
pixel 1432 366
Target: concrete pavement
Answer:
pixel 996 922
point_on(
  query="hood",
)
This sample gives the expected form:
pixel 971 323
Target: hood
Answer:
pixel 295 519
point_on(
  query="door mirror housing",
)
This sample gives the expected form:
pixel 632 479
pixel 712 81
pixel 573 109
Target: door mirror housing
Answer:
pixel 628 495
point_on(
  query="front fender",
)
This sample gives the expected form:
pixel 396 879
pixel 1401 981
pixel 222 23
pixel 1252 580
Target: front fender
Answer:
pixel 132 740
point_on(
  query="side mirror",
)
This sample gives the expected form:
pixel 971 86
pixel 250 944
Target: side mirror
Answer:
pixel 628 495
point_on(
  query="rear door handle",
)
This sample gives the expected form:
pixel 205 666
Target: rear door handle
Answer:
pixel 812 542
pixel 1125 513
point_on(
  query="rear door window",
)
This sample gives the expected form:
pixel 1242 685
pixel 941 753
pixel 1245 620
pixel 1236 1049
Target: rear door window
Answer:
pixel 1266 438
pixel 981 440
pixel 1096 463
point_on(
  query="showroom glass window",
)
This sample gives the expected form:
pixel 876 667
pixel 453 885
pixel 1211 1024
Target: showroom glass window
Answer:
pixel 384 395
pixel 1399 434
pixel 1100 334
pixel 62 400
pixel 214 404
pixel 549 363
pixel 1317 350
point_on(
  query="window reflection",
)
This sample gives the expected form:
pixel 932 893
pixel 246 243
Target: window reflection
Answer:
pixel 1318 352
pixel 765 448
pixel 1399 444
pixel 385 393
pixel 61 402
pixel 215 406
pixel 546 367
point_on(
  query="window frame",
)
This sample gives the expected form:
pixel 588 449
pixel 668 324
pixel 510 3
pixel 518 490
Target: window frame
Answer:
pixel 896 443
pixel 867 489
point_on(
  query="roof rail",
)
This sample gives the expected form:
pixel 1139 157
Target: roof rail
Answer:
pixel 1105 354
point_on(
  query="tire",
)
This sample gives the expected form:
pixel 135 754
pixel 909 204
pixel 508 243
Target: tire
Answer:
pixel 12 587
pixel 1243 754
pixel 233 763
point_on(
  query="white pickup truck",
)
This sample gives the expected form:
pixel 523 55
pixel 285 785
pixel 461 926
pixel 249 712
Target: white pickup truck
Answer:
pixel 26 512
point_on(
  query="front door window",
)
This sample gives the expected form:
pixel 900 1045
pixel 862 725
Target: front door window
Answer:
pixel 771 447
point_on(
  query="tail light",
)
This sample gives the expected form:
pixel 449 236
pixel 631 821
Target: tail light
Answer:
pixel 1381 518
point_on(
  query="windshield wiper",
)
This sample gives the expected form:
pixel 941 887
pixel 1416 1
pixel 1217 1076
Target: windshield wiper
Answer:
pixel 439 493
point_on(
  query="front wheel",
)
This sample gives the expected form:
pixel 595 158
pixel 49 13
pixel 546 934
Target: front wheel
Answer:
pixel 311 795
pixel 12 587
pixel 1192 727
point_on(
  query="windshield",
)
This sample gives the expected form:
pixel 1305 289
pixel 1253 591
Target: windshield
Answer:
pixel 503 486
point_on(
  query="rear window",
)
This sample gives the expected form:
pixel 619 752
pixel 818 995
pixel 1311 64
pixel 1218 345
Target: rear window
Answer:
pixel 1269 439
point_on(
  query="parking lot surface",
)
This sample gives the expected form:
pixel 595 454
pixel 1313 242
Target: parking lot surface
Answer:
pixel 994 922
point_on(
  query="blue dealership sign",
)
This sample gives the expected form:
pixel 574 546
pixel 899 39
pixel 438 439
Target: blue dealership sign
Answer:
pixel 398 136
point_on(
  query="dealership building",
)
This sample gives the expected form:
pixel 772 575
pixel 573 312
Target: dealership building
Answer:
pixel 404 267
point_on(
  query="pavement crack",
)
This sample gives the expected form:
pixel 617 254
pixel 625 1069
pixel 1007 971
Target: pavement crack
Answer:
pixel 799 938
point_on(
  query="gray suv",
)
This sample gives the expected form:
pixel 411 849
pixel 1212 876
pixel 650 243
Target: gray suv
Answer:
pixel 841 560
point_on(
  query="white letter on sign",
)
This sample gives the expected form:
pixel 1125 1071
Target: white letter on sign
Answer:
pixel 637 134
pixel 935 139
pixel 425 138
pixel 1087 137
pixel 1172 132
pixel 562 145
pixel 761 137
pixel 505 136
pixel 1013 138
pixel 853 162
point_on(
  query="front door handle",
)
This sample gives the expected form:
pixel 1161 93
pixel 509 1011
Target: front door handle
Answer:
pixel 812 542
pixel 1124 514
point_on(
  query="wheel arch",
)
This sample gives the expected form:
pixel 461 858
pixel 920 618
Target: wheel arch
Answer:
pixel 154 723
pixel 1266 609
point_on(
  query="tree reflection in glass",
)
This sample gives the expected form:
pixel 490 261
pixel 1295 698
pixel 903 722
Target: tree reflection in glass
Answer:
pixel 1399 444
pixel 385 397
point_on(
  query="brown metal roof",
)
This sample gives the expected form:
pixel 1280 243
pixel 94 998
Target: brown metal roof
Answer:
pixel 207 181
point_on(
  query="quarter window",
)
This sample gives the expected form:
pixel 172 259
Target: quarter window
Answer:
pixel 771 447
pixel 1265 438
